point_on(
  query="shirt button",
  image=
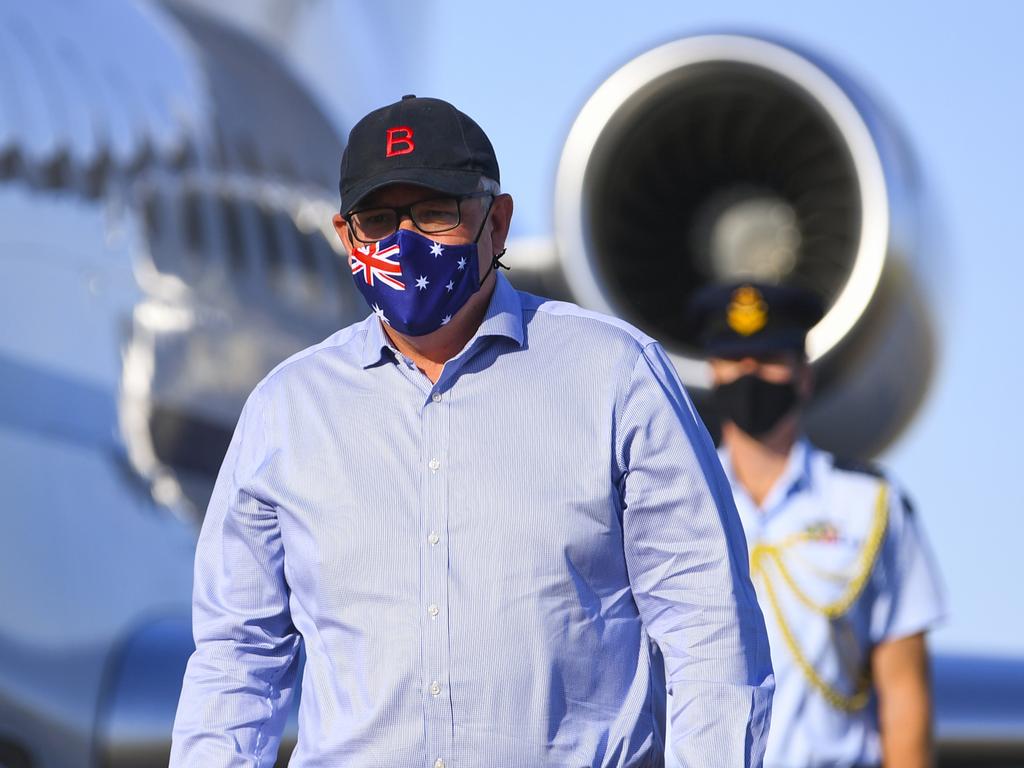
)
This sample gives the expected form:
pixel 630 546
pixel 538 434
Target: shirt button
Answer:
pixel 439 763
pixel 434 465
pixel 433 538
pixel 436 397
pixel 433 610
pixel 435 688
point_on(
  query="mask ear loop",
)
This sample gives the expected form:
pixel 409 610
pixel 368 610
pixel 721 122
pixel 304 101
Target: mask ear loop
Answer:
pixel 495 263
pixel 496 258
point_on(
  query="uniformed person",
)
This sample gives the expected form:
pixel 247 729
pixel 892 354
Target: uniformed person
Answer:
pixel 845 579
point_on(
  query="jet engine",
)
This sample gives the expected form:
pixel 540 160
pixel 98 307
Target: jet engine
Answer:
pixel 723 157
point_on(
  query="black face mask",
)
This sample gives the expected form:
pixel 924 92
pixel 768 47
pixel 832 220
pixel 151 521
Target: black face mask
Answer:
pixel 753 404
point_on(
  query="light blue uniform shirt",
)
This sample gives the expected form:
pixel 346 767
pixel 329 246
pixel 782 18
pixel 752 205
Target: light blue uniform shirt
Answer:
pixel 478 569
pixel 820 516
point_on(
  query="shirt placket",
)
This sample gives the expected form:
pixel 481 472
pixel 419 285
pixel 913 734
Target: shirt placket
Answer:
pixel 434 579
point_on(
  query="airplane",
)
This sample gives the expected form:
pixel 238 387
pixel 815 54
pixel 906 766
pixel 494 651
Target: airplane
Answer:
pixel 164 244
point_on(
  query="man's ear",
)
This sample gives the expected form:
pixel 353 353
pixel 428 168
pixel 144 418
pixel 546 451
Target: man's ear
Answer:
pixel 341 227
pixel 501 219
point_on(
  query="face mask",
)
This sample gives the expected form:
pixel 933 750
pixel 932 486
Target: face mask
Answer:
pixel 413 283
pixel 753 404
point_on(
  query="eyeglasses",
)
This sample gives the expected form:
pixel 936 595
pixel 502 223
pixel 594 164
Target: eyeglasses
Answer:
pixel 431 217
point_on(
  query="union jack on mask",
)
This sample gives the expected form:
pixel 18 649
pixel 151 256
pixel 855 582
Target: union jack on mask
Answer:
pixel 413 283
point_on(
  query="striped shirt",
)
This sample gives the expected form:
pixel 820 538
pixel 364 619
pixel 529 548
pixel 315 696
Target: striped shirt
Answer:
pixel 484 572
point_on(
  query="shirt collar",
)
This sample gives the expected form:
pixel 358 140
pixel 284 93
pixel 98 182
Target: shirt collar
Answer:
pixel 375 343
pixel 796 476
pixel 504 317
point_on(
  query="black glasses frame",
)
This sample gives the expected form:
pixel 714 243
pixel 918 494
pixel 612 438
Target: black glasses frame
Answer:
pixel 405 212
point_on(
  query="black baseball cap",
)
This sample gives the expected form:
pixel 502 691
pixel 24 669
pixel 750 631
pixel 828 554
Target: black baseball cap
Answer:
pixel 750 318
pixel 420 141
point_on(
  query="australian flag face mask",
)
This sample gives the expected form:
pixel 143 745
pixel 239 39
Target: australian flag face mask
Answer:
pixel 413 283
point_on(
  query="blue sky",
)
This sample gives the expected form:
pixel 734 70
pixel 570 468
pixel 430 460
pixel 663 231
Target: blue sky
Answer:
pixel 951 77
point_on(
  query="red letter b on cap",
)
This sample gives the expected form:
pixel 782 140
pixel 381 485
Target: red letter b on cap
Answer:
pixel 400 141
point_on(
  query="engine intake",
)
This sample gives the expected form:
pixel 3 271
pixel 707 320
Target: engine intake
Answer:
pixel 724 157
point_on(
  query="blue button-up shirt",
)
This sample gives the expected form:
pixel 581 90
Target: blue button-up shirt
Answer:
pixel 481 570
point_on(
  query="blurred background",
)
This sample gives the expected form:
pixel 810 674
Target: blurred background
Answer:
pixel 167 175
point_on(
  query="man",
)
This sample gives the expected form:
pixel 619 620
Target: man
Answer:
pixel 843 574
pixel 478 511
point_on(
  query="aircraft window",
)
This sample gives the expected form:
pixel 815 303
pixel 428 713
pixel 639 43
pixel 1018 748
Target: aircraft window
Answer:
pixel 94 180
pixel 336 264
pixel 307 255
pixel 194 234
pixel 152 215
pixel 233 234
pixel 298 245
pixel 58 173
pixel 10 164
pixel 271 244
pixel 161 218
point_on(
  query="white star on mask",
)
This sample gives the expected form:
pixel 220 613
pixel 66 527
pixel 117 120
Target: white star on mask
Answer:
pixel 446 319
pixel 380 313
pixel 422 282
pixel 462 264
pixel 451 284
pixel 436 249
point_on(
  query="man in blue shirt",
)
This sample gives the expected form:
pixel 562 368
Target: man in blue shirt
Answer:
pixel 484 516
pixel 845 579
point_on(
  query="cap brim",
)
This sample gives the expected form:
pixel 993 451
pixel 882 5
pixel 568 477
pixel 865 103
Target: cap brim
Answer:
pixel 780 341
pixel 447 182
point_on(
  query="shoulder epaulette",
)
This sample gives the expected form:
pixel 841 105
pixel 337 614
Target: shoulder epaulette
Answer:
pixel 858 465
pixel 868 468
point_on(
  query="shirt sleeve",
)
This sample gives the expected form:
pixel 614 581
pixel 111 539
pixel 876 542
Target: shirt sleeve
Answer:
pixel 908 591
pixel 239 682
pixel 688 568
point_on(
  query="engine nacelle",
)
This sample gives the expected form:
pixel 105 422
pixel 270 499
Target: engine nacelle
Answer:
pixel 720 157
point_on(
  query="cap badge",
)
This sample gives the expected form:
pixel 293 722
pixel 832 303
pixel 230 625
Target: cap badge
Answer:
pixel 747 312
pixel 399 141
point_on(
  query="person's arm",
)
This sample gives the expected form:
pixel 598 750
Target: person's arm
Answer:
pixel 239 681
pixel 687 561
pixel 899 669
pixel 908 603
